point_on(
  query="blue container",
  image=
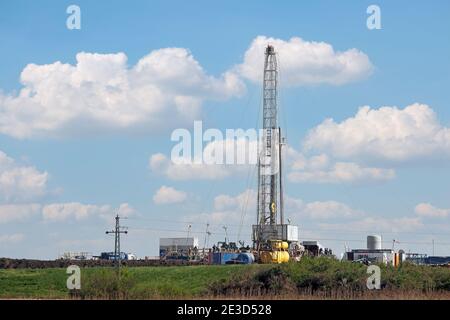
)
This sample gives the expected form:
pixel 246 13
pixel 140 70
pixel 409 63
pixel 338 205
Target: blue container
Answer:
pixel 246 258
pixel 216 258
pixel 228 257
pixel 223 257
pixel 434 260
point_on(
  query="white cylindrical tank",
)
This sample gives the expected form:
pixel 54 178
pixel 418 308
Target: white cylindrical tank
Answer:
pixel 374 242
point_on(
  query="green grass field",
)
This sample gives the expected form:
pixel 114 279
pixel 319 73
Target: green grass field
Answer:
pixel 310 278
pixel 139 281
pixel 29 283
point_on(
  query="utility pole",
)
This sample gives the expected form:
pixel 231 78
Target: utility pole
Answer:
pixel 206 236
pixel 226 234
pixel 207 233
pixel 189 231
pixel 117 231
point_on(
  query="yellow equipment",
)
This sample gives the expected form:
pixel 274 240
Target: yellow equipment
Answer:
pixel 277 253
pixel 397 260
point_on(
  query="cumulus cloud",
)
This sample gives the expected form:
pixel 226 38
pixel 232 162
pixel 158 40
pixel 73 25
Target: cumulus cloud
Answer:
pixel 243 153
pixel 125 210
pixel 101 93
pixel 231 210
pixel 19 183
pixel 18 212
pixel 377 224
pixel 328 209
pixel 160 164
pixel 167 195
pixel 226 202
pixel 372 135
pixel 387 133
pixel 320 169
pixel 241 208
pixel 343 172
pixel 319 210
pixel 79 211
pixel 427 210
pixel 61 211
pixel 306 62
pixel 219 159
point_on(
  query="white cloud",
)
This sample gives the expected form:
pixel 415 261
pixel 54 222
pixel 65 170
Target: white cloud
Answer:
pixel 319 210
pixel 230 210
pixel 377 224
pixel 76 210
pixel 18 212
pixel 241 208
pixel 167 195
pixel 8 239
pixel 226 202
pixel 306 63
pixel 321 169
pixel 427 210
pixel 241 152
pixel 387 133
pixel 62 211
pixel 328 209
pixel 343 172
pixel 19 183
pixel 102 94
pixel 125 210
pixel 159 163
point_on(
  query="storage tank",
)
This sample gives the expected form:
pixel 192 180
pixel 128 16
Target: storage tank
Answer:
pixel 374 242
pixel 284 256
pixel 246 258
pixel 276 244
pixel 274 256
pixel 227 257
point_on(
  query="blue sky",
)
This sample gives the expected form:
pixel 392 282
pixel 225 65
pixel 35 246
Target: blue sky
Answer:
pixel 97 169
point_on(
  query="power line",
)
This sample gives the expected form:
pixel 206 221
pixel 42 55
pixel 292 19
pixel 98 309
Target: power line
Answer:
pixel 315 238
pixel 319 228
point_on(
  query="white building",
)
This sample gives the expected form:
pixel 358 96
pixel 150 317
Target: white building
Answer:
pixel 181 245
pixel 374 253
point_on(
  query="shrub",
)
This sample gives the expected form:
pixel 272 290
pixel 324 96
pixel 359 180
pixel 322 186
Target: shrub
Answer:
pixel 107 284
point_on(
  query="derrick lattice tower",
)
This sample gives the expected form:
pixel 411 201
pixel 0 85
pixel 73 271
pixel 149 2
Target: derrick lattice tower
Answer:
pixel 270 212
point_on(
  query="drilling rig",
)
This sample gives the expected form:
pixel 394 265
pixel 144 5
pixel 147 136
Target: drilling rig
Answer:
pixel 272 238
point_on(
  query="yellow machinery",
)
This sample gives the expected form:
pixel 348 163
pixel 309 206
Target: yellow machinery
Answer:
pixel 397 259
pixel 276 253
